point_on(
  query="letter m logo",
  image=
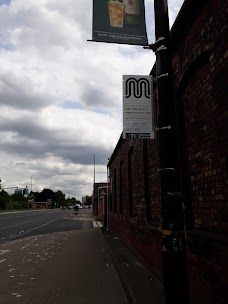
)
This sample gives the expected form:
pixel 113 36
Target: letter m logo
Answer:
pixel 137 86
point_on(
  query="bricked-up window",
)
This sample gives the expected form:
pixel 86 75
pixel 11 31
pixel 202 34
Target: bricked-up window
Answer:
pixel 130 186
pixel 114 192
pixel 121 187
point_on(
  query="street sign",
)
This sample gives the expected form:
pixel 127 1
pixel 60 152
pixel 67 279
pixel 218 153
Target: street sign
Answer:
pixel 137 107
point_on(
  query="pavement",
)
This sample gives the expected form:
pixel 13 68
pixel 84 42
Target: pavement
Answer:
pixel 89 265
pixel 140 284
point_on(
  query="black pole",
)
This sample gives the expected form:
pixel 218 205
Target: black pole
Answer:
pixel 175 273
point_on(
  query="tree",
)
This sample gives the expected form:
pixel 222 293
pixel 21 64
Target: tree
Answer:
pixel 60 198
pixel 18 197
pixel 5 200
pixel 19 201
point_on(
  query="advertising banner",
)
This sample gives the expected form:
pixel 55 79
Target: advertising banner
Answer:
pixel 119 21
pixel 137 107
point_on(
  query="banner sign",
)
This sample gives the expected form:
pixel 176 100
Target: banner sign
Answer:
pixel 119 21
pixel 137 107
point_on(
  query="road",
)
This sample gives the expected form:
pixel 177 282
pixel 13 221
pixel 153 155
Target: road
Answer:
pixel 56 257
pixel 20 224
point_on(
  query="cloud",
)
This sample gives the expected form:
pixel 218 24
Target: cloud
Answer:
pixel 61 96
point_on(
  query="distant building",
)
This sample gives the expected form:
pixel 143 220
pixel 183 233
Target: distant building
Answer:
pixel 83 200
pixel 24 191
pixel 96 195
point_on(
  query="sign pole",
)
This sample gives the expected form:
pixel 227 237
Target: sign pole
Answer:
pixel 175 273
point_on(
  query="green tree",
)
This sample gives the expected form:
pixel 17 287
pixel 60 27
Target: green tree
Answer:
pixel 5 200
pixel 18 197
pixel 19 201
pixel 60 198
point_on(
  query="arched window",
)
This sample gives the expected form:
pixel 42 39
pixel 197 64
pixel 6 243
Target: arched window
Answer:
pixel 130 181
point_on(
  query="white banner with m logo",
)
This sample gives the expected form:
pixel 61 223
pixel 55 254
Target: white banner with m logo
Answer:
pixel 137 107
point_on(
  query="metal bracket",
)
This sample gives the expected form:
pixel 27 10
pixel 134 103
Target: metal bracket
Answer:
pixel 161 48
pixel 153 46
pixel 149 47
pixel 163 128
pixel 164 169
pixel 160 76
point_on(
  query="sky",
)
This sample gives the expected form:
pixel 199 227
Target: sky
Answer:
pixel 60 95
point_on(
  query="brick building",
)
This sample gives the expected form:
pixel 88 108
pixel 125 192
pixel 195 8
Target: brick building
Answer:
pixel 96 195
pixel 199 58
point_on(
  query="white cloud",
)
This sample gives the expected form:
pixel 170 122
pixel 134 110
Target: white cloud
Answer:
pixel 61 96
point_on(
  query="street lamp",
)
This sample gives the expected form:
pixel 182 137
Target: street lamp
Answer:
pixel 31 181
pixel 94 157
pixel 175 272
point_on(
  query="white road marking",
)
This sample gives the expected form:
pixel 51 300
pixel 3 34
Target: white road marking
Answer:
pixel 2 261
pixel 11 269
pixel 29 244
pixel 99 224
pixel 4 251
pixel 18 296
pixel 95 224
pixel 14 293
pixel 12 234
pixel 21 231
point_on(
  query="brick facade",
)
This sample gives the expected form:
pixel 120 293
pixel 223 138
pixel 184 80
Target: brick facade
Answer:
pixel 199 58
pixel 96 188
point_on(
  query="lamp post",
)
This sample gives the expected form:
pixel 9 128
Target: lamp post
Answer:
pixel 107 200
pixel 31 181
pixel 94 208
pixel 175 274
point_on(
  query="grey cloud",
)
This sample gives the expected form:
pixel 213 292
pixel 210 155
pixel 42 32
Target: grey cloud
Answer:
pixel 95 96
pixel 31 139
pixel 19 94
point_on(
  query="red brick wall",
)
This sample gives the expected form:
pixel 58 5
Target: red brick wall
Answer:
pixel 100 209
pixel 199 63
pixel 199 66
pixel 143 236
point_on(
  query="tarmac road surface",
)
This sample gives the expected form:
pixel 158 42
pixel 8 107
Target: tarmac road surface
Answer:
pixel 57 264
